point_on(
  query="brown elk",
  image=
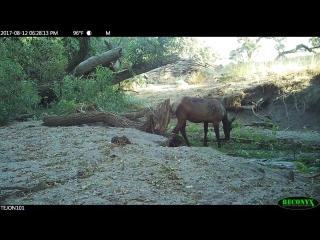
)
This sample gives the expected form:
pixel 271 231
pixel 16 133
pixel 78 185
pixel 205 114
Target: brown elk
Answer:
pixel 206 110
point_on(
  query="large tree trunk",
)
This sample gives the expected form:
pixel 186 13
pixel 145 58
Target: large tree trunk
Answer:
pixel 141 68
pixel 102 59
pixel 105 59
pixel 84 43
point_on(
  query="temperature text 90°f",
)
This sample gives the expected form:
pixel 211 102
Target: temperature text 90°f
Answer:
pixel 77 33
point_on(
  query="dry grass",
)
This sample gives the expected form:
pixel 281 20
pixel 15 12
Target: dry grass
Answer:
pixel 233 99
pixel 196 78
pixel 294 77
pixel 298 77
pixel 299 66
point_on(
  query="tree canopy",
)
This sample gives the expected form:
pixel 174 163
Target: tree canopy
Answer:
pixel 250 45
pixel 31 67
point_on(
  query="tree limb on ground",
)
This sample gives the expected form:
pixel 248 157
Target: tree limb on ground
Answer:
pixel 258 116
pixel 23 117
pixel 73 119
pixel 140 114
pixel 156 122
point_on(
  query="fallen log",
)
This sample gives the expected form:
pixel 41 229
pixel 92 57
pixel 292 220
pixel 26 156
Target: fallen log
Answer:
pixel 23 117
pixel 73 119
pixel 156 121
pixel 140 114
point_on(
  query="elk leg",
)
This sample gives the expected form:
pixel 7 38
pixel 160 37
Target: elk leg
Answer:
pixel 205 140
pixel 182 128
pixel 183 132
pixel 216 130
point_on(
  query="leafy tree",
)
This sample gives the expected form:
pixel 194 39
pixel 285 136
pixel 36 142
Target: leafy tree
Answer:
pixel 18 93
pixel 42 58
pixel 28 63
pixel 315 41
pixel 248 46
pixel 150 49
pixel 280 43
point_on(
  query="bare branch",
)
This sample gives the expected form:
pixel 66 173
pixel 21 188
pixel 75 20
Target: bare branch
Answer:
pixel 262 118
pixel 300 46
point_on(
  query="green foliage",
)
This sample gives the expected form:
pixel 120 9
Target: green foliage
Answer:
pixel 18 95
pixel 248 47
pixel 274 129
pixel 193 128
pixel 142 49
pixel 240 133
pixel 195 133
pixel 97 45
pixel 266 146
pixel 280 43
pixel 71 46
pixel 64 107
pixel 236 124
pixel 29 63
pixel 315 41
pixel 42 59
pixel 72 90
pixel 150 49
pixel 191 47
pixel 171 126
pixel 18 98
pixel 302 167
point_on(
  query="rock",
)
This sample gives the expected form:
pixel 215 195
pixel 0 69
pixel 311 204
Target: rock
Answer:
pixel 120 140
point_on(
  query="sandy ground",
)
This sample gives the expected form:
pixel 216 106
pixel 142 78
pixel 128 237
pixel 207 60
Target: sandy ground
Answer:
pixel 79 165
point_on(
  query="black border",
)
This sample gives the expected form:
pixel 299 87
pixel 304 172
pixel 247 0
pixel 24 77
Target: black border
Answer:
pixel 210 19
pixel 163 32
pixel 199 209
pixel 228 24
